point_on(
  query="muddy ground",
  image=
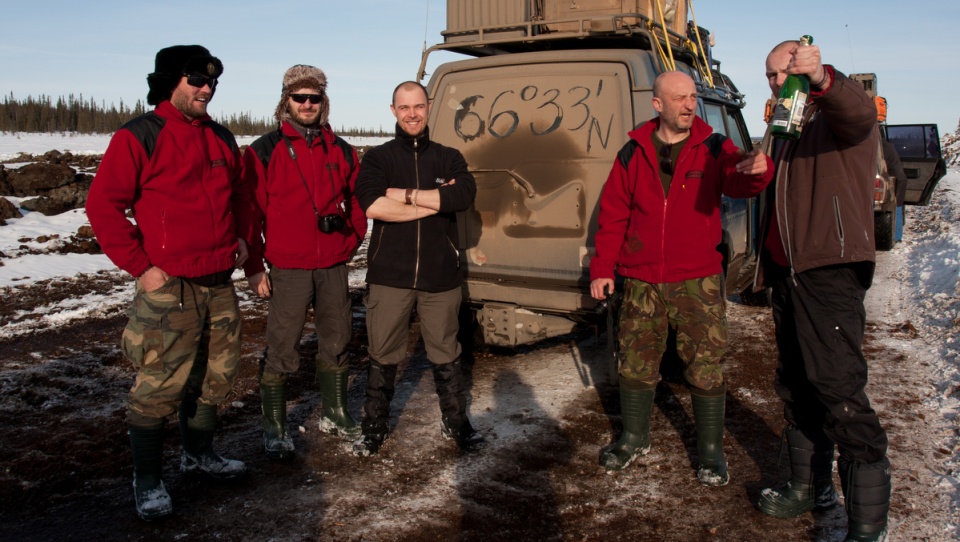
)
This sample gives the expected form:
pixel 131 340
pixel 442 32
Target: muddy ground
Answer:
pixel 546 411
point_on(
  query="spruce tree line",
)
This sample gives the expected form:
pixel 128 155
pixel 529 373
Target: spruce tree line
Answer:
pixel 75 114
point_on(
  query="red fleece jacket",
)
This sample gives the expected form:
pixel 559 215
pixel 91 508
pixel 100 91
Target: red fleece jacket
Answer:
pixel 284 191
pixel 189 202
pixel 657 239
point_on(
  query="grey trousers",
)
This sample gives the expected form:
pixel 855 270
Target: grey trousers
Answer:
pixel 388 322
pixel 294 291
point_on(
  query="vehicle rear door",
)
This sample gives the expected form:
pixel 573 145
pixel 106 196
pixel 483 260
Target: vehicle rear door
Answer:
pixel 540 138
pixel 919 148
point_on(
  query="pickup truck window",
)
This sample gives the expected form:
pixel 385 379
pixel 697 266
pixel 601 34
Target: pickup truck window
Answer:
pixel 915 141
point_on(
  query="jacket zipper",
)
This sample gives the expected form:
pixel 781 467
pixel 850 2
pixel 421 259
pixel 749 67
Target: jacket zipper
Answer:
pixel 456 252
pixel 379 243
pixel 663 238
pixel 836 210
pixel 783 225
pixel 416 170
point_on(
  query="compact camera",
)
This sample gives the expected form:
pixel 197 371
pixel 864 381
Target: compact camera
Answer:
pixel 330 223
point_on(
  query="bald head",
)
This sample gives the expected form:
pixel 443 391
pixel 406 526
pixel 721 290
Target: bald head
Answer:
pixel 785 46
pixel 673 82
pixel 675 100
pixel 777 62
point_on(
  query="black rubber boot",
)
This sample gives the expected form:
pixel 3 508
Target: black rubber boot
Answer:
pixel 452 392
pixel 334 418
pixel 196 435
pixel 811 476
pixel 152 500
pixel 866 488
pixel 273 394
pixel 708 411
pixel 376 409
pixel 636 405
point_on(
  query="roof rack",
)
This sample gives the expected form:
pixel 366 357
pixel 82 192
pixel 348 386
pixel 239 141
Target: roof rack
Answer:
pixel 619 30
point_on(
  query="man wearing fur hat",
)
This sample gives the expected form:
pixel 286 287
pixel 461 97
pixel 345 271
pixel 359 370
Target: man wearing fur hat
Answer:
pixel 304 177
pixel 413 187
pixel 180 175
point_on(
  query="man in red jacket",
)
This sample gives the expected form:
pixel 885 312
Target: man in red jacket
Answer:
pixel 305 177
pixel 179 174
pixel 659 227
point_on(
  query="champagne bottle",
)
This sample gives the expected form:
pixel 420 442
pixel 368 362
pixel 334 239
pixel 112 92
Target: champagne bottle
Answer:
pixel 787 119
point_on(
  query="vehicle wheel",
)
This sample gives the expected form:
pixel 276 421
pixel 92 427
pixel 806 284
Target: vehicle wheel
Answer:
pixel 755 299
pixel 470 334
pixel 883 229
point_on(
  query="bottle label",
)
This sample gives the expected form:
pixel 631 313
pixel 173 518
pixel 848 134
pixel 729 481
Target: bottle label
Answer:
pixel 788 113
pixel 781 113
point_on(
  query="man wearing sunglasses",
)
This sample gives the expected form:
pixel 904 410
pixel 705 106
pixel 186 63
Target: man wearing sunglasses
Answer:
pixel 179 174
pixel 304 177
pixel 659 227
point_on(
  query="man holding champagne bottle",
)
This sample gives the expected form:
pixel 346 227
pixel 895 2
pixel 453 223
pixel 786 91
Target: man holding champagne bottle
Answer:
pixel 818 256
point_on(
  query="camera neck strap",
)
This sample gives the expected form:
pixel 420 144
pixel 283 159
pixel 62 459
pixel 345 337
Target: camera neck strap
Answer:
pixel 333 185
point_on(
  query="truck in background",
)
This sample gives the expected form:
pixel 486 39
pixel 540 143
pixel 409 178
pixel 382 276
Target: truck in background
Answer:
pixel 540 113
pixel 918 146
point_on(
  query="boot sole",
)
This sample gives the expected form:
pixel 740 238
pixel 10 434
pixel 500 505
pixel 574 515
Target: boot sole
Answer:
pixel 329 427
pixel 154 516
pixel 279 456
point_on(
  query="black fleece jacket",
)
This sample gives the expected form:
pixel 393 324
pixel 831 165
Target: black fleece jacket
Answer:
pixel 421 254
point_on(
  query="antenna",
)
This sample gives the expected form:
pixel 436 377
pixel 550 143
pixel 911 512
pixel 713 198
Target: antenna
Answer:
pixel 426 20
pixel 853 67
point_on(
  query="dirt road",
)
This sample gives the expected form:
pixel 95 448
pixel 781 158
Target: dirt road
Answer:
pixel 545 410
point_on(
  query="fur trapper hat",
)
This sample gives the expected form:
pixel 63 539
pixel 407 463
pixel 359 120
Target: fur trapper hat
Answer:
pixel 299 77
pixel 170 65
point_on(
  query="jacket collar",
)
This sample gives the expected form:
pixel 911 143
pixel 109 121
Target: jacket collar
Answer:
pixel 167 110
pixel 422 140
pixel 324 134
pixel 698 132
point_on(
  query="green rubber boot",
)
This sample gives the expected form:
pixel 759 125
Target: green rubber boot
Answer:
pixel 151 497
pixel 636 406
pixel 196 435
pixel 273 394
pixel 334 418
pixel 708 411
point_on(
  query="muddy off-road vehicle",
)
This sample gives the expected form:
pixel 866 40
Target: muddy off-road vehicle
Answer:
pixel 918 146
pixel 540 114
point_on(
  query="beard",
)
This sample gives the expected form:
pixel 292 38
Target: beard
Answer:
pixel 188 104
pixel 305 118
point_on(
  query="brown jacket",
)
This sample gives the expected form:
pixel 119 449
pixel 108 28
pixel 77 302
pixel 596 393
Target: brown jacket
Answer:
pixel 824 186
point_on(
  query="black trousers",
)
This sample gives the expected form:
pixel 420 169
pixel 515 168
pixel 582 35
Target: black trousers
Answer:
pixel 820 318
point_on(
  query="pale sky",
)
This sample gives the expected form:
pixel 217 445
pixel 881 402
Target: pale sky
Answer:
pixel 105 49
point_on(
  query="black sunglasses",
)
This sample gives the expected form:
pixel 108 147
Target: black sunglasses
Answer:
pixel 666 162
pixel 301 98
pixel 199 81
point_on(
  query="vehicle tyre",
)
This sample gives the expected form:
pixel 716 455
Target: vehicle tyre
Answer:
pixel 883 229
pixel 470 334
pixel 755 299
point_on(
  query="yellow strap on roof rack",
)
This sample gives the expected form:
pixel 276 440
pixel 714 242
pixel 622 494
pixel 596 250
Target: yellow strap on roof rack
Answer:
pixel 707 69
pixel 672 66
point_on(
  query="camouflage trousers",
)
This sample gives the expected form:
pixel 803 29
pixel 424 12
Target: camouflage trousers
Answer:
pixel 694 308
pixel 190 352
